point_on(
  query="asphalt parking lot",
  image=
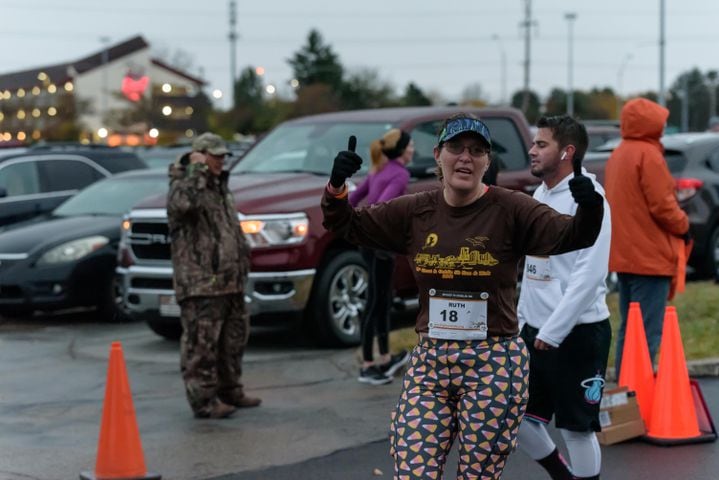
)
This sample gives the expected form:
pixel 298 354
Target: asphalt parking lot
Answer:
pixel 316 421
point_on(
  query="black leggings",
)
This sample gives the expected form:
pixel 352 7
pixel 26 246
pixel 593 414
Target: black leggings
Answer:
pixel 379 293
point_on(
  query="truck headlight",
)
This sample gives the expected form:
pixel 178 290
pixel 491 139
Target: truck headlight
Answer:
pixel 274 230
pixel 74 250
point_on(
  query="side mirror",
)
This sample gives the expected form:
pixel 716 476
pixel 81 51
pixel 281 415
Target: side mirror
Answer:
pixel 3 192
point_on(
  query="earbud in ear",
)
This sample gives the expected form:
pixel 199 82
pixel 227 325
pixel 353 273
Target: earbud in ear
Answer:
pixel 564 155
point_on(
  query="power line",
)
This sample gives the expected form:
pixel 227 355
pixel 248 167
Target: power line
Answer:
pixel 272 15
pixel 699 38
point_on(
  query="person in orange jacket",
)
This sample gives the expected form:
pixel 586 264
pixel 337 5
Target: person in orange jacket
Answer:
pixel 648 227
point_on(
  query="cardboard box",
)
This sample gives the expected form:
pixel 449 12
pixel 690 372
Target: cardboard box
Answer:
pixel 621 432
pixel 619 417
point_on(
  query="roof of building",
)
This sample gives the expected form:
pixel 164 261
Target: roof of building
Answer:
pixel 61 73
pixel 177 72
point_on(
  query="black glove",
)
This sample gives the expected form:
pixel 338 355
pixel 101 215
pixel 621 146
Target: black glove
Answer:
pixel 583 191
pixel 347 162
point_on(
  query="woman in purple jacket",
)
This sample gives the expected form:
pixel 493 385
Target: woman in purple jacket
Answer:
pixel 387 179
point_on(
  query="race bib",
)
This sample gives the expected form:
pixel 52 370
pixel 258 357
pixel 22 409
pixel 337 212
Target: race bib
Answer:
pixel 537 268
pixel 457 315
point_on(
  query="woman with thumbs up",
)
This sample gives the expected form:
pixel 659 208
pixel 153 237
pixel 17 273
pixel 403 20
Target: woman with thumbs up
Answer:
pixel 467 376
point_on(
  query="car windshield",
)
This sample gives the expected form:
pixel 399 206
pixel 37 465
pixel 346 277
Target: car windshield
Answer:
pixel 112 196
pixel 308 148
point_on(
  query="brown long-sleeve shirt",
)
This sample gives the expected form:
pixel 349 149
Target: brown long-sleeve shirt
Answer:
pixel 474 249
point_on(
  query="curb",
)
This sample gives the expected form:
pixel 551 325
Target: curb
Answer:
pixel 708 367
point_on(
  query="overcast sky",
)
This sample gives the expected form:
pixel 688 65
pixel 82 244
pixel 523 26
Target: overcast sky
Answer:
pixel 442 50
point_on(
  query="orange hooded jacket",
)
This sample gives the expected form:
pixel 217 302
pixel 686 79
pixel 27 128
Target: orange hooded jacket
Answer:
pixel 647 223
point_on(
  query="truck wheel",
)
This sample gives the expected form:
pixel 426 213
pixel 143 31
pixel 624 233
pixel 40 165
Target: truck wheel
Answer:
pixel 109 307
pixel 170 331
pixel 339 299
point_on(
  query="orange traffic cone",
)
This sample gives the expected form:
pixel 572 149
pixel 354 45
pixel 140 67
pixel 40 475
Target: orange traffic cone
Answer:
pixel 674 418
pixel 636 371
pixel 119 450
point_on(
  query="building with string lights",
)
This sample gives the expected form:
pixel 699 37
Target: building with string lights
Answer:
pixel 120 95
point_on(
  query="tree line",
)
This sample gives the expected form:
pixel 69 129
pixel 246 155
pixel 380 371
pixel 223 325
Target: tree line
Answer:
pixel 324 85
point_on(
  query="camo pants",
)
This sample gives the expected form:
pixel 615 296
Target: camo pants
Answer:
pixel 215 333
pixel 476 390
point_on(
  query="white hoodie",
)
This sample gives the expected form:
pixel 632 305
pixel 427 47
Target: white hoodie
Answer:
pixel 561 291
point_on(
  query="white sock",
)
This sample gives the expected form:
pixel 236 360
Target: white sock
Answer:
pixel 585 456
pixel 534 440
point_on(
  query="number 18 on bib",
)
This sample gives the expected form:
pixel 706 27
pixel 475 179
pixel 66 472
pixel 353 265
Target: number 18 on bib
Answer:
pixel 457 315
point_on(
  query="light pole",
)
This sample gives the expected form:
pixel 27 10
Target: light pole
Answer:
pixel 105 60
pixel 527 25
pixel 503 60
pixel 570 17
pixel 662 98
pixel 620 81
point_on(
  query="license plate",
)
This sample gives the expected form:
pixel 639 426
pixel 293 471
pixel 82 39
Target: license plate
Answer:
pixel 169 306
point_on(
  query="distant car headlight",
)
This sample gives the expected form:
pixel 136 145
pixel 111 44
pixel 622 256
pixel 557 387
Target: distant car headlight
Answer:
pixel 74 250
pixel 274 230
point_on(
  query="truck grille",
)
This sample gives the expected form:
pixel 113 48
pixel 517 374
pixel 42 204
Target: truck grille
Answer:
pixel 150 240
pixel 152 283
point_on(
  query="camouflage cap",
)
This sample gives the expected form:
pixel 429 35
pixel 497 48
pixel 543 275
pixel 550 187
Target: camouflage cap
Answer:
pixel 210 143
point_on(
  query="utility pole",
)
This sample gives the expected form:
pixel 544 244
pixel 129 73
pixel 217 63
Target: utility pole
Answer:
pixel 503 58
pixel 662 99
pixel 233 46
pixel 570 16
pixel 685 103
pixel 527 25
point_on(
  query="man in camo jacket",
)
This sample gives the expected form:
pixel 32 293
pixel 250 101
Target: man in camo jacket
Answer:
pixel 210 259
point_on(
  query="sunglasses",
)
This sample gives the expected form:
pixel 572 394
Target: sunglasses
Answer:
pixel 475 150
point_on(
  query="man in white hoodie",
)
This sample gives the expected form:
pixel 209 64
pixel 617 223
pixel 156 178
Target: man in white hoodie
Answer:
pixel 564 317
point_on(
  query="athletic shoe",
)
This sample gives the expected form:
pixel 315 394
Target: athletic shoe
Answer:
pixel 373 375
pixel 396 362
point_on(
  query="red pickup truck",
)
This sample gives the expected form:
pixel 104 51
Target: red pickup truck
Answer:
pixel 299 271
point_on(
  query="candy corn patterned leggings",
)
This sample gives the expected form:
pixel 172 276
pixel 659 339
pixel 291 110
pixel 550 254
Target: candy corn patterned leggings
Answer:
pixel 474 390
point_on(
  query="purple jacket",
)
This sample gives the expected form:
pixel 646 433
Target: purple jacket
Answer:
pixel 388 183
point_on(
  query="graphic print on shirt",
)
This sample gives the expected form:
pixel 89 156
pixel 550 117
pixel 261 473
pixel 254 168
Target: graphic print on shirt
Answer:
pixel 593 389
pixel 469 261
pixel 431 240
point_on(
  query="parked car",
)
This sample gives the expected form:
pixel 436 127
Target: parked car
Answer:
pixel 299 271
pixel 7 151
pixel 38 180
pixel 601 131
pixel 161 157
pixel 67 259
pixel 693 160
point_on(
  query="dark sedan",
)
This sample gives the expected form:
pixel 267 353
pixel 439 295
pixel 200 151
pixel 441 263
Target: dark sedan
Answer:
pixel 67 259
